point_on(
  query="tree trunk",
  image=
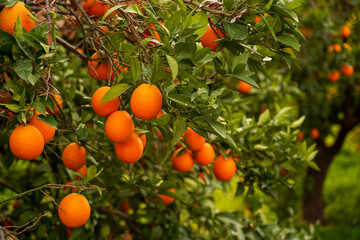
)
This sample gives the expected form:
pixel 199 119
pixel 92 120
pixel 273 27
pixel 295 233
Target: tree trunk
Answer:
pixel 314 181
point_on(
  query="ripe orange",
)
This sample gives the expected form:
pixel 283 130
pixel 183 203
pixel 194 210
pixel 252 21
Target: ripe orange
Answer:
pixel 74 210
pixel 205 155
pixel 106 108
pixel 300 136
pixel 119 127
pixel 345 31
pixel 183 162
pixel 306 31
pixel 74 156
pixel 257 18
pixel 98 68
pixel 334 76
pixel 82 171
pixel 334 47
pixel 243 87
pixel 142 138
pixel 347 46
pixel 86 4
pixel 193 139
pixel 146 101
pixel 9 16
pixel 45 129
pixel 26 142
pixel 98 9
pixel 224 169
pixel 210 36
pixel 147 34
pixel 167 199
pixel 129 151
pixel 347 69
pixel 315 134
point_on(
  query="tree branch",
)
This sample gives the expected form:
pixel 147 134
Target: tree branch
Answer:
pixel 72 48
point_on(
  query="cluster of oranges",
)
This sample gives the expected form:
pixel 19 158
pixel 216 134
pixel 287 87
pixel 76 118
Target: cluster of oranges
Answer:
pixel 183 159
pixel 314 133
pixel 346 69
pixel 145 103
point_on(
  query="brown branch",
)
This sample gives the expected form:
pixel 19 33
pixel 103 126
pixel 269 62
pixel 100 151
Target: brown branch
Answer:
pixel 72 48
pixel 35 220
pixel 3 183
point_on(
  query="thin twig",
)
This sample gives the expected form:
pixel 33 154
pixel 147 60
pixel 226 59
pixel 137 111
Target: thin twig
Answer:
pixel 71 48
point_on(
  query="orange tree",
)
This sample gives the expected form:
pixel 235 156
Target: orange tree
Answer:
pixel 330 101
pixel 172 69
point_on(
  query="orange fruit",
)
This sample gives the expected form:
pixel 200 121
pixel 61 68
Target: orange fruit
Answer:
pixel 210 36
pixel 6 77
pixel 45 129
pixel 224 169
pixel 119 127
pixel 125 207
pixel 183 162
pixel 146 101
pixel 334 76
pixel 26 142
pixel 193 140
pixel 315 134
pixel 147 34
pixel 167 199
pixel 9 16
pixel 98 9
pixel 205 155
pixel 82 171
pixel 142 138
pixel 347 69
pixel 347 46
pixel 257 18
pixel 129 151
pixel 86 4
pixel 335 47
pixel 74 210
pixel 74 156
pixel 300 136
pixel 98 68
pixel 243 87
pixel 283 172
pixel 106 108
pixel 306 31
pixel 345 31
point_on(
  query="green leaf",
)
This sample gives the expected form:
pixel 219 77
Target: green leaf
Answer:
pixel 156 233
pixel 229 4
pixel 135 68
pixel 179 129
pixel 268 6
pixel 23 68
pixel 40 107
pixel 240 189
pixel 81 132
pixel 173 66
pixel 285 12
pixel 236 30
pixel 115 91
pixel 181 99
pixel 97 188
pixel 200 21
pixel 156 69
pixel 111 10
pixel 33 78
pixel 219 128
pixel 134 8
pixel 91 172
pixel 313 165
pixel 260 147
pixel 18 31
pixel 10 3
pixel 13 107
pixel 298 122
pixel 289 41
pixel 269 27
pixel 48 119
pixel 244 76
pixel 264 117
